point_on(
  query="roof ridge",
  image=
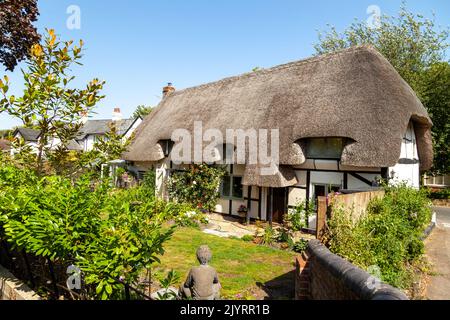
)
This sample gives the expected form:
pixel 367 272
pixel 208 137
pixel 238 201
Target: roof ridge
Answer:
pixel 283 66
pixel 110 119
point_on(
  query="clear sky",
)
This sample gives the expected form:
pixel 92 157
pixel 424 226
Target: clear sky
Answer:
pixel 137 46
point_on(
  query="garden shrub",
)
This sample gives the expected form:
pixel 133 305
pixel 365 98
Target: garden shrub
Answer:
pixel 389 235
pixel 440 194
pixel 269 236
pixel 299 246
pixel 188 217
pixel 248 238
pixel 110 234
pixel 149 183
pixel 298 217
pixel 198 186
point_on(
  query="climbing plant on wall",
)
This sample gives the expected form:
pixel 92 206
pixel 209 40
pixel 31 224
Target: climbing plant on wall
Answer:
pixel 199 186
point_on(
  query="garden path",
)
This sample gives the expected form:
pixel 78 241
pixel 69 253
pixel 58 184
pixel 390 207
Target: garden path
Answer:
pixel 225 226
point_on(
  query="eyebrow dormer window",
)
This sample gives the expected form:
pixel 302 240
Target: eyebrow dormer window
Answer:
pixel 324 148
pixel 167 146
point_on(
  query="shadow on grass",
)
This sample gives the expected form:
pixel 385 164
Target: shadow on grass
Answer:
pixel 279 288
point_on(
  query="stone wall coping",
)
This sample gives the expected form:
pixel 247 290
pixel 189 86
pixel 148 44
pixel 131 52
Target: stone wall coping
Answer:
pixel 352 276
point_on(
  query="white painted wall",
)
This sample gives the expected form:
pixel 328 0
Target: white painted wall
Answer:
pixel 88 143
pixel 408 173
pixel 162 175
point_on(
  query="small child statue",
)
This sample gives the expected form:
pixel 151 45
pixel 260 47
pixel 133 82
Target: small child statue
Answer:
pixel 202 282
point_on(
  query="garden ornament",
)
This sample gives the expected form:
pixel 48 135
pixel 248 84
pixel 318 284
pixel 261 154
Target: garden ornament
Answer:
pixel 202 282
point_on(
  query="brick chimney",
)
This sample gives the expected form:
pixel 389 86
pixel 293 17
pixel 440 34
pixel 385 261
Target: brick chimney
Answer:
pixel 117 115
pixel 168 90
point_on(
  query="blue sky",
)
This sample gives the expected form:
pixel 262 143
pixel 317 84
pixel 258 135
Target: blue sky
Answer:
pixel 137 46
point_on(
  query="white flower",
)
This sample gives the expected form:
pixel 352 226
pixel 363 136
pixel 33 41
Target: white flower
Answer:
pixel 190 214
pixel 194 183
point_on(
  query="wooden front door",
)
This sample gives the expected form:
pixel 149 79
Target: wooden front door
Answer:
pixel 279 198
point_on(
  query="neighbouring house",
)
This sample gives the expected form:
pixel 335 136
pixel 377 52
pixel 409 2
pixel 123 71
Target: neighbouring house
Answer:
pixel 93 129
pixel 29 136
pixel 88 135
pixel 345 121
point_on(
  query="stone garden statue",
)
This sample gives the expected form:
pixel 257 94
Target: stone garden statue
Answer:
pixel 202 282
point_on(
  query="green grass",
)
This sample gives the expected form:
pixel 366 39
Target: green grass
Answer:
pixel 240 265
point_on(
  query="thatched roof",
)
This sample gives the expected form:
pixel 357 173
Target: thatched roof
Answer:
pixel 353 93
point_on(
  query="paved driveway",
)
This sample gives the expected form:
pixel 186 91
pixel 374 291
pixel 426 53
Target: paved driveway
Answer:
pixel 437 248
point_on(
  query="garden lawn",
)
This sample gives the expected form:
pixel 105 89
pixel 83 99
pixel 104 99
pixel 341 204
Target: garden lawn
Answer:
pixel 241 265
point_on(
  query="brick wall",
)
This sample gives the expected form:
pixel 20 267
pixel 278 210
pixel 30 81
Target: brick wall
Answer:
pixel 322 275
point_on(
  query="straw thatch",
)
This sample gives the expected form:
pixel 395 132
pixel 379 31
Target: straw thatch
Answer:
pixel 354 93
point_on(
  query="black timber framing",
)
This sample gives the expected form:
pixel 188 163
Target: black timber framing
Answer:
pixel 230 202
pixel 286 200
pixel 249 202
pixel 259 203
pixel 308 186
pixel 297 187
pixel 269 206
pixel 338 171
pixel 251 199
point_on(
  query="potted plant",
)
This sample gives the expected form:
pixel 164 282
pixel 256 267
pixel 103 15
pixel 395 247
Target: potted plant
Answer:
pixel 242 211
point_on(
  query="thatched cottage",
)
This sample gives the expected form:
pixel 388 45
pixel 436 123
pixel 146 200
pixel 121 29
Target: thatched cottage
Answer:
pixel 345 120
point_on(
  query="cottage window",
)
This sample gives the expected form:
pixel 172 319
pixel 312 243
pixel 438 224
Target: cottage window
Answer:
pixel 324 148
pixel 167 146
pixel 232 187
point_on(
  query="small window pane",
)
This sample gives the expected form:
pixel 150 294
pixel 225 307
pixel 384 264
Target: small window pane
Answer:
pixel 226 186
pixel 334 189
pixel 324 148
pixel 237 187
pixel 319 191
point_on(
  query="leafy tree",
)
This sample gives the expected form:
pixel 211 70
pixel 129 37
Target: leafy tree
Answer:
pixel 112 145
pixel 416 48
pixel 48 103
pixel 5 133
pixel 142 111
pixel 436 97
pixel 17 33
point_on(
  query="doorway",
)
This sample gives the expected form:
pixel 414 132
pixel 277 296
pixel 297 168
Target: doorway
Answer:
pixel 279 204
